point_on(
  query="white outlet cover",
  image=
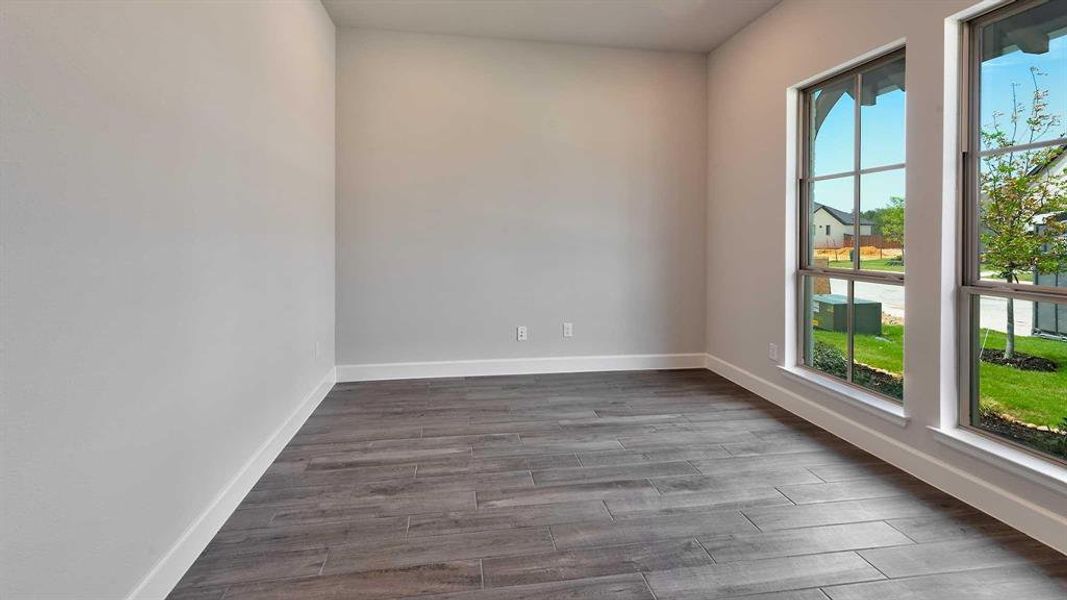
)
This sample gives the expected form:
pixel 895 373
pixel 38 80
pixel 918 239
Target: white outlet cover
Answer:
pixel 520 333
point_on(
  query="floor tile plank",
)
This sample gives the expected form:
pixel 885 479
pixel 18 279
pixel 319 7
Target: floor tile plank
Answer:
pixel 600 490
pixel 796 542
pixel 752 577
pixel 393 553
pixel 958 555
pixel 756 477
pixel 666 453
pixel 618 587
pixel 808 594
pixel 488 519
pixel 852 511
pixel 1016 582
pixel 857 489
pixel 576 535
pixel 941 527
pixel 345 510
pixel 212 570
pixel 594 562
pixel 613 473
pixel 366 585
pixel 696 502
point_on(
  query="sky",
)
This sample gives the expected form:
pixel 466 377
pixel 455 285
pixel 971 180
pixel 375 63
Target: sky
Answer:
pixel 998 75
pixel 882 144
pixel 882 126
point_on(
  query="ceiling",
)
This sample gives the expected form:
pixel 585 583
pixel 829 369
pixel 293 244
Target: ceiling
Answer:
pixel 688 25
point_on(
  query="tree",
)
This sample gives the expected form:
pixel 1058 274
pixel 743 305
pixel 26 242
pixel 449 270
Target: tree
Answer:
pixel 892 223
pixel 1023 203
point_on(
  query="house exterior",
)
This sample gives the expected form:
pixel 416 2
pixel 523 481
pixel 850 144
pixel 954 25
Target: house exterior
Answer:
pixel 831 225
pixel 1050 319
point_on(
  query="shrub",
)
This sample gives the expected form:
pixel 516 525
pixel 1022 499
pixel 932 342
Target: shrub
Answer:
pixel 832 361
pixel 829 359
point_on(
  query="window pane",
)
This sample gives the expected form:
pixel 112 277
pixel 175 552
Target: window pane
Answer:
pixel 1023 215
pixel 1022 395
pixel 833 128
pixel 826 326
pixel 831 222
pixel 882 115
pixel 878 338
pixel 1024 73
pixel 882 221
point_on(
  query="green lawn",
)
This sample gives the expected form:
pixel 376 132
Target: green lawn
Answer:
pixel 874 264
pixel 885 352
pixel 1033 397
pixel 885 264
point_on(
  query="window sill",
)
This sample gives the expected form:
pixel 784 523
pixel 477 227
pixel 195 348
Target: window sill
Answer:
pixel 871 403
pixel 1023 464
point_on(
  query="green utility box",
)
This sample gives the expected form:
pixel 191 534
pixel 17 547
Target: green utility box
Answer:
pixel 830 312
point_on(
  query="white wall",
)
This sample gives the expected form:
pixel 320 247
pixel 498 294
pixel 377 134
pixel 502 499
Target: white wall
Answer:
pixel 167 217
pixel 749 147
pixel 485 184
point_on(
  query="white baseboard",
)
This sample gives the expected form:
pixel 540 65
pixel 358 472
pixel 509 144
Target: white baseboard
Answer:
pixel 517 366
pixel 169 570
pixel 1031 519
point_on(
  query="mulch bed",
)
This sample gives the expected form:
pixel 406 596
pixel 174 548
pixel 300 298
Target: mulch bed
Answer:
pixel 1053 442
pixel 878 380
pixel 1023 362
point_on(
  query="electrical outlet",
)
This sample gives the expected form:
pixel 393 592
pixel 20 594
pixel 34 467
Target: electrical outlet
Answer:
pixel 772 352
pixel 318 351
pixel 520 333
pixel 568 330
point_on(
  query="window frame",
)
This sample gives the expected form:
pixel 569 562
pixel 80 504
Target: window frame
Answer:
pixel 970 283
pixel 804 179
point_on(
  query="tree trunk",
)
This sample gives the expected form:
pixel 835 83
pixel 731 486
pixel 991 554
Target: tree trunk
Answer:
pixel 1009 341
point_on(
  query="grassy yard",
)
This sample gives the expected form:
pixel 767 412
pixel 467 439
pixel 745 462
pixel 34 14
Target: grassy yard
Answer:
pixel 885 352
pixel 1033 397
pixel 1038 398
pixel 874 264
pixel 888 264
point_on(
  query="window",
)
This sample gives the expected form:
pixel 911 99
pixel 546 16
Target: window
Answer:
pixel 851 182
pixel 1014 281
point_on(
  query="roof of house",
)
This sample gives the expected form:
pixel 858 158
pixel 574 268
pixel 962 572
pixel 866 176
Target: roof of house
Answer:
pixel 845 218
pixel 1057 158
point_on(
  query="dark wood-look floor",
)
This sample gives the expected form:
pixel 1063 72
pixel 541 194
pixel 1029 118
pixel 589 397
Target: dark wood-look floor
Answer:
pixel 662 485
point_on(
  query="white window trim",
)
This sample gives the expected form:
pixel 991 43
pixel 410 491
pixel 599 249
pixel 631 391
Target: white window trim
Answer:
pixel 874 404
pixel 1004 456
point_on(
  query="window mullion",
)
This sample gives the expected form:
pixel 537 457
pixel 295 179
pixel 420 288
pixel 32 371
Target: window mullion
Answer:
pixel 1022 147
pixel 856 180
pixel 850 317
pixel 856 229
pixel 1019 292
pixel 881 277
